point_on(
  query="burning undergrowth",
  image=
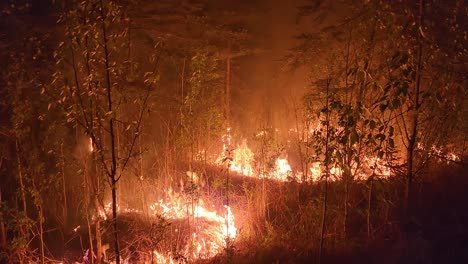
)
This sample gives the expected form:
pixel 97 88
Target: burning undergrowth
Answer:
pixel 231 202
pixel 178 228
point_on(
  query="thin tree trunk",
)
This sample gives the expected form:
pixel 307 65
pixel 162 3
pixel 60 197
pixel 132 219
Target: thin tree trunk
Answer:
pixel 113 169
pixel 182 81
pixel 64 186
pixel 41 232
pixel 96 190
pixel 304 168
pixel 87 187
pixel 97 224
pixel 114 221
pixel 97 228
pixel 227 206
pixel 90 233
pixel 20 176
pixel 22 230
pixel 142 178
pixel 2 224
pixel 228 121
pixel 414 120
pixel 327 171
pixel 228 86
pixel 345 201
pixel 369 210
pixel 37 199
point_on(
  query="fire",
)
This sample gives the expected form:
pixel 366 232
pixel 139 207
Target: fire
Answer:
pixel 209 232
pixel 206 240
pixel 378 167
pixel 282 170
pixel 316 171
pixel 439 153
pixel 243 158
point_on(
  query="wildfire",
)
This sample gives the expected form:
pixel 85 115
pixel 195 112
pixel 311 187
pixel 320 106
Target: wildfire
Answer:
pixel 243 159
pixel 206 240
pixel 439 153
pixel 209 231
pixel 282 170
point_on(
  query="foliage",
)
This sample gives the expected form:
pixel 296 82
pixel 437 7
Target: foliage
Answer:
pixel 20 225
pixel 201 113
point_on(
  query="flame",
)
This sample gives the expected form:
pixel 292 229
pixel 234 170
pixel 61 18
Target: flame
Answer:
pixel 243 158
pixel 439 153
pixel 205 240
pixel 316 171
pixel 282 170
pixel 378 166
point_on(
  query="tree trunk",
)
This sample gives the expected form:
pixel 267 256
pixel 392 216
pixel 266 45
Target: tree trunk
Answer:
pixel 369 204
pixel 90 233
pixel 345 201
pixel 228 87
pixel 327 171
pixel 87 189
pixel 113 169
pixel 20 176
pixel 64 187
pixel 97 228
pixel 41 232
pixel 414 120
pixel 2 224
pixel 114 221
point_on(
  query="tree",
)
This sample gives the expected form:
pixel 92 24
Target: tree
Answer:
pixel 91 87
pixel 383 76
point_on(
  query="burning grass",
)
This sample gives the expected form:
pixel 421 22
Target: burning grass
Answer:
pixel 245 215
